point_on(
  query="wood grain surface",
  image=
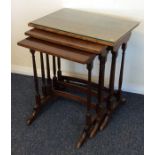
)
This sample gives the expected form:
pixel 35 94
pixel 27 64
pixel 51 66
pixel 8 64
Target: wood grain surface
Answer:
pixel 66 41
pixel 100 28
pixel 57 50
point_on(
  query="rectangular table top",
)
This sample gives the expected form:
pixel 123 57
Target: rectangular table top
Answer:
pixel 57 50
pixel 66 41
pixel 101 28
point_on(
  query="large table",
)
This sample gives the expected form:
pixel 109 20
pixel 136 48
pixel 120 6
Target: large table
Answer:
pixel 79 36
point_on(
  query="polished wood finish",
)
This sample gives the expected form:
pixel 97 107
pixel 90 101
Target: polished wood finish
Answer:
pixel 69 78
pixel 79 36
pixel 89 67
pixel 57 50
pixel 66 41
pixel 37 96
pixel 102 60
pixel 35 73
pixel 77 87
pixel 121 41
pixel 59 68
pixel 48 67
pixel 49 82
pixel 101 107
pixel 112 72
pixel 81 85
pixel 74 97
pixel 121 71
pixel 54 69
pixel 85 133
pixel 94 27
pixel 43 74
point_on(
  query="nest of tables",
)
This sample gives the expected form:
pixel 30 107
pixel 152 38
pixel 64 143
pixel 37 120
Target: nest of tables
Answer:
pixel 52 41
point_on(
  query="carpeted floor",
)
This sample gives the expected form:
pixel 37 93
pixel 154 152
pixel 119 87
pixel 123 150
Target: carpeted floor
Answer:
pixel 58 127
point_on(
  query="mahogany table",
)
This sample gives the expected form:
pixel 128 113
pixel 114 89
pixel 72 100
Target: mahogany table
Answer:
pixel 79 36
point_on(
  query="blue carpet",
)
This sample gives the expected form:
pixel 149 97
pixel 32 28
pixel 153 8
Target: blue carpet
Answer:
pixel 59 125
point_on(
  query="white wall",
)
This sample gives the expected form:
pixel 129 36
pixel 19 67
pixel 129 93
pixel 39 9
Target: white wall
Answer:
pixel 24 11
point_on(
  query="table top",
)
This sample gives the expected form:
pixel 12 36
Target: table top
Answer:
pixel 57 50
pixel 86 25
pixel 66 41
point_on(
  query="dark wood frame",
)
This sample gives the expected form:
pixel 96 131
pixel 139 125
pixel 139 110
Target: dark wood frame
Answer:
pixel 108 99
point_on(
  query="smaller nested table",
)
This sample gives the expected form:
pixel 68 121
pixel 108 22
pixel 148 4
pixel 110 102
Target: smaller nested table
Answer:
pixel 79 36
pixel 53 88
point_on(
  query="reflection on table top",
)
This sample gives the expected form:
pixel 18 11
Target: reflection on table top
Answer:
pixel 89 25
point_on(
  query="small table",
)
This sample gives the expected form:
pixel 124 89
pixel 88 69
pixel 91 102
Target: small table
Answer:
pixel 80 36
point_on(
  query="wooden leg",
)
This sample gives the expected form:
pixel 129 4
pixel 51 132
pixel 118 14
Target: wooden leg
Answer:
pixel 120 98
pixel 49 82
pixel 112 99
pixel 102 60
pixel 54 73
pixel 112 80
pixel 101 108
pixel 59 73
pixel 43 74
pixel 37 96
pixel 87 127
pixel 54 68
pixel 112 73
pixel 88 116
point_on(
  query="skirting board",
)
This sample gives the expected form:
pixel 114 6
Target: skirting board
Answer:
pixel 29 71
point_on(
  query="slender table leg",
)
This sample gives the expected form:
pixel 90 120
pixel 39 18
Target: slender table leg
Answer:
pixel 54 68
pixel 111 87
pixel 101 108
pixel 115 99
pixel 112 80
pixel 88 115
pixel 43 74
pixel 59 74
pixel 37 96
pixel 121 74
pixel 112 73
pixel 59 68
pixel 54 72
pixel 102 60
pixel 49 82
pixel 87 127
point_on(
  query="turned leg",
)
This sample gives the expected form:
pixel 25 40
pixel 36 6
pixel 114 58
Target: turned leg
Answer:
pixel 121 74
pixel 54 69
pixel 112 99
pixel 112 73
pixel 54 72
pixel 111 92
pixel 101 108
pixel 59 73
pixel 43 74
pixel 37 96
pixel 88 115
pixel 49 82
pixel 85 132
